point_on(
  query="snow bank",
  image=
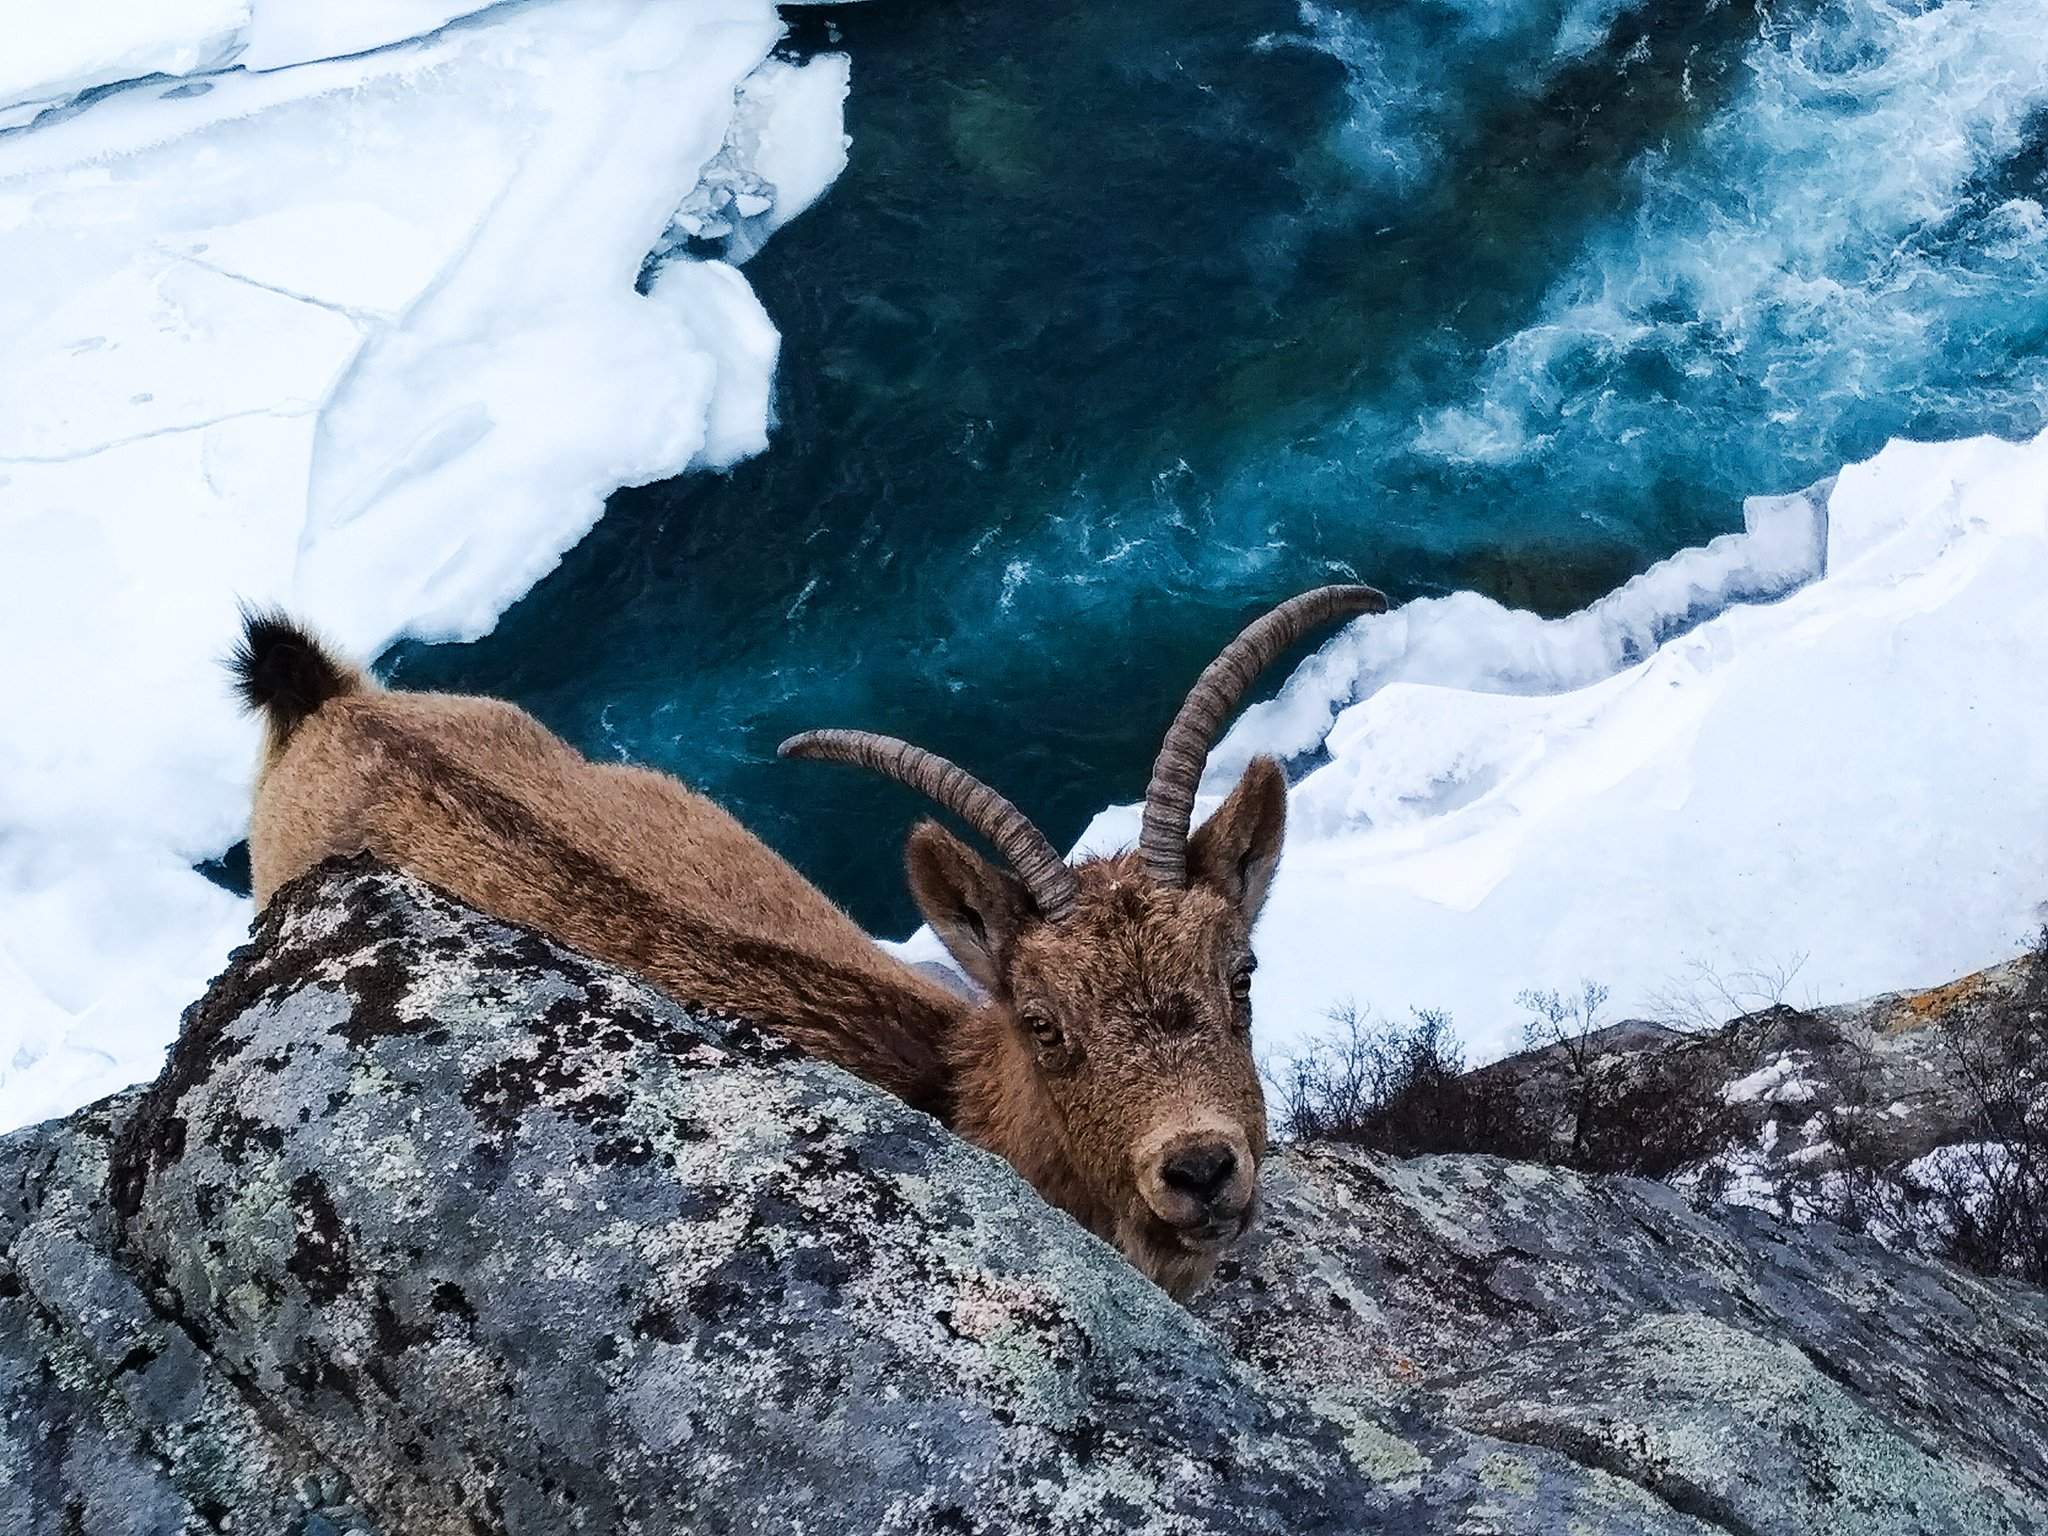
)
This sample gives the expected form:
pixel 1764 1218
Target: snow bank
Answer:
pixel 287 32
pixel 360 336
pixel 1847 779
pixel 58 49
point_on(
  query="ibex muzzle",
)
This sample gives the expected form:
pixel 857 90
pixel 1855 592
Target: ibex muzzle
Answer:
pixel 1202 1183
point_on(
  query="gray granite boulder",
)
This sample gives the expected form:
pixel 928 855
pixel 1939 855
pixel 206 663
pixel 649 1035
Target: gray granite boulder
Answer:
pixel 524 1247
pixel 1761 1376
pixel 429 1226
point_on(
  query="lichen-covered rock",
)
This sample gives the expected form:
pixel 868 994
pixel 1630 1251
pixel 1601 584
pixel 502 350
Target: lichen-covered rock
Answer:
pixel 112 1417
pixel 1748 1433
pixel 429 1227
pixel 1761 1376
pixel 520 1246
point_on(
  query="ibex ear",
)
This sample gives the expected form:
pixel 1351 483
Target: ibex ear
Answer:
pixel 1236 850
pixel 974 907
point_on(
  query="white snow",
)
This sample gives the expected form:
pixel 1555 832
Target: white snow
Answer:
pixel 58 49
pixel 1850 774
pixel 55 49
pixel 286 32
pixel 1777 1083
pixel 1967 1170
pixel 360 336
pixel 1960 1184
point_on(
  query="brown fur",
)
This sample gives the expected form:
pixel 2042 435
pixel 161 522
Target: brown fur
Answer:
pixel 1152 1056
pixel 1142 1045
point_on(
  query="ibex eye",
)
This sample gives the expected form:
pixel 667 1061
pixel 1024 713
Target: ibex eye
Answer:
pixel 1043 1030
pixel 1241 981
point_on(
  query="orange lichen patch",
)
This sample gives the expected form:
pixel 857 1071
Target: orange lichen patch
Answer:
pixel 1933 1004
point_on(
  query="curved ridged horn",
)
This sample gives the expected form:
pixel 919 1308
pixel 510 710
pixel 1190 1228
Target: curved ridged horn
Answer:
pixel 1170 797
pixel 1009 831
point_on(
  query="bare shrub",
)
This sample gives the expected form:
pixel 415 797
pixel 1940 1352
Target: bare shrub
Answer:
pixel 1654 1101
pixel 1979 1201
pixel 1854 1185
pixel 1653 1113
pixel 1708 1000
pixel 1403 1088
pixel 1400 1088
pixel 1984 1201
pixel 1566 1027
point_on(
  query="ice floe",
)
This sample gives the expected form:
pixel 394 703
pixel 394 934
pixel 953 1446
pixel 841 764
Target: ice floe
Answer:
pixel 56 49
pixel 369 336
pixel 783 150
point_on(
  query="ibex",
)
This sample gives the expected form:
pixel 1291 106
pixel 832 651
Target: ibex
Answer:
pixel 1110 1059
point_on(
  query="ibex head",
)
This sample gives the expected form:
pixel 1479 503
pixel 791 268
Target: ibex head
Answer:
pixel 1118 1074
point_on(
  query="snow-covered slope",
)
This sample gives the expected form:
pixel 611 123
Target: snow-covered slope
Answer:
pixel 58 50
pixel 1846 781
pixel 360 336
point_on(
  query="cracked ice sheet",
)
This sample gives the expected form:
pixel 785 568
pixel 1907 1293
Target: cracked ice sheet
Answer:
pixel 58 49
pixel 359 337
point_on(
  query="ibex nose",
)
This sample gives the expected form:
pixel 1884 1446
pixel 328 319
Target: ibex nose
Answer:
pixel 1202 1172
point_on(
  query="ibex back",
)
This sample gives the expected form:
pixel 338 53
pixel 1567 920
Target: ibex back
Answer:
pixel 1110 1059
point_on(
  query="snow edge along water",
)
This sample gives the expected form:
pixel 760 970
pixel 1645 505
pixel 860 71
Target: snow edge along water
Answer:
pixel 373 337
pixel 1797 761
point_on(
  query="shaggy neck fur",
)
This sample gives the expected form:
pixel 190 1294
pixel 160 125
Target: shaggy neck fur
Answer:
pixel 1001 1104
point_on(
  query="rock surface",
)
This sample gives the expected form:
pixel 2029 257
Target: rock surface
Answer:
pixel 1762 1377
pixel 431 1227
pixel 1875 1114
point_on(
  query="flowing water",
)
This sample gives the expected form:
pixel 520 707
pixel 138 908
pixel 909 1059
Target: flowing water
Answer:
pixel 1128 319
